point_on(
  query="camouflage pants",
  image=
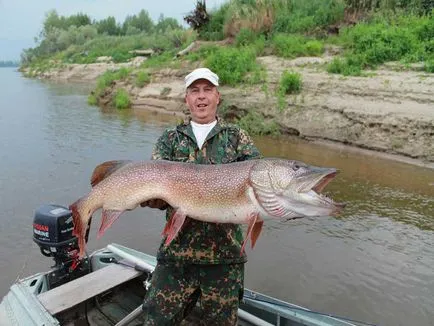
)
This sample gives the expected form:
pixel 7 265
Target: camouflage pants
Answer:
pixel 176 287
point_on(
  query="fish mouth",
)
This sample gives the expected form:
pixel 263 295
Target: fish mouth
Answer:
pixel 324 181
pixel 318 187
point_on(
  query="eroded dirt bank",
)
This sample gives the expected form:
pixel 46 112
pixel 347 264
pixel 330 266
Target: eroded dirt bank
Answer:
pixel 389 111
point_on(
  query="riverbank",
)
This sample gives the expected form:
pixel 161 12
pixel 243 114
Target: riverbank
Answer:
pixel 388 111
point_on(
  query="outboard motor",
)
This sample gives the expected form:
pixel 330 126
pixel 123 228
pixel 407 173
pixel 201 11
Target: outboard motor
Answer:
pixel 52 231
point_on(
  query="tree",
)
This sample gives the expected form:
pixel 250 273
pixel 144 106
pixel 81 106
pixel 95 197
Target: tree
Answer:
pixel 167 23
pixel 108 26
pixel 142 22
pixel 198 17
pixel 77 20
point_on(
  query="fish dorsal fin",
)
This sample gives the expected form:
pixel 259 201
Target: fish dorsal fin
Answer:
pixel 103 170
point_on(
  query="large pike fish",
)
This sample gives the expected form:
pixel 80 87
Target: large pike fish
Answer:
pixel 242 193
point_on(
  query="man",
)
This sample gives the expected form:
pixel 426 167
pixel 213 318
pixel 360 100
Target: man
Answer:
pixel 204 260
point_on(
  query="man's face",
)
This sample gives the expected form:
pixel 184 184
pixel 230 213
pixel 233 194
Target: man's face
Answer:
pixel 202 98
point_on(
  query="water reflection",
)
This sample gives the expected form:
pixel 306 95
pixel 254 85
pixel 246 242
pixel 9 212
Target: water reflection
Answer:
pixel 370 185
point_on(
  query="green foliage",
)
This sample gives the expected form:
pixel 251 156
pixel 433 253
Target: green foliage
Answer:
pixel 414 6
pixel 166 24
pixel 54 21
pixel 213 30
pixel 106 79
pixel 394 38
pixel 347 66
pixel 291 46
pixel 232 64
pixel 142 78
pixel 142 22
pixel 158 61
pixel 92 100
pixel 202 53
pixel 121 99
pixel 290 82
pixel 108 26
pixel 256 125
pixel 302 16
pixel 245 37
pixel 429 66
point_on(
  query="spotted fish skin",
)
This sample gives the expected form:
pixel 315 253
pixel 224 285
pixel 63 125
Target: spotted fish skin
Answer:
pixel 242 192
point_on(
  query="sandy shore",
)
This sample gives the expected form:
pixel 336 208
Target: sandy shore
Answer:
pixel 390 112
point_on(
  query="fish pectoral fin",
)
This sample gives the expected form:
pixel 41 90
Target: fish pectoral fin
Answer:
pixel 168 226
pixel 107 219
pixel 256 231
pixel 253 220
pixel 173 226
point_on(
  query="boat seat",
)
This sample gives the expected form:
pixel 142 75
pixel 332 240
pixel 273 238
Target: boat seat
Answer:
pixel 74 292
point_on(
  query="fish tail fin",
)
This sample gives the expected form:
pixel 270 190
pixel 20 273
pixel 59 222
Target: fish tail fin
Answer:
pixel 105 169
pixel 80 223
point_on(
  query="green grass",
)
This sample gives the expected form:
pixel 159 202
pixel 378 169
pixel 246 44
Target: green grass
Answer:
pixel 292 46
pixel 142 79
pixel 290 83
pixel 163 60
pixel 233 64
pixel 405 38
pixel 349 66
pixel 121 99
pixel 256 125
pixel 92 100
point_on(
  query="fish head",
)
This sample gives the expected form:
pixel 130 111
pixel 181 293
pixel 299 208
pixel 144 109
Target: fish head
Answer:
pixel 291 189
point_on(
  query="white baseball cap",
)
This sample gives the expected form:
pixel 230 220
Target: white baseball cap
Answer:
pixel 201 73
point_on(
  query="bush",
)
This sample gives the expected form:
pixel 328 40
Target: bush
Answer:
pixel 121 99
pixel 245 37
pixel 347 66
pixel 158 61
pixel 290 82
pixel 142 78
pixel 394 38
pixel 232 64
pixel 291 46
pixel 92 100
pixel 256 125
pixel 203 52
pixel 429 66
pixel 303 16
pixel 213 30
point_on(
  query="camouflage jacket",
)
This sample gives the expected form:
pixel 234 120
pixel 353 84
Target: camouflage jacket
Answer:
pixel 201 242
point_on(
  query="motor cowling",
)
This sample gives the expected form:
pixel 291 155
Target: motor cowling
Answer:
pixel 52 230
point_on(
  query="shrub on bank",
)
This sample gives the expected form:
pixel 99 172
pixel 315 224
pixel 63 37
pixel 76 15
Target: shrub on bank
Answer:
pixel 348 66
pixel 256 125
pixel 290 82
pixel 121 99
pixel 292 46
pixel 405 38
pixel 142 78
pixel 233 64
pixel 301 16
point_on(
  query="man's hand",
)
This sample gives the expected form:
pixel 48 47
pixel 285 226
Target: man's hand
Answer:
pixel 155 203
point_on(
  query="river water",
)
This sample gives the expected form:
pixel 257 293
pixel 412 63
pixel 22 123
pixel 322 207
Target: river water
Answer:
pixel 375 263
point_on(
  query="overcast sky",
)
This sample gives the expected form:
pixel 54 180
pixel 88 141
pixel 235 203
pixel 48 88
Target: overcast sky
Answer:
pixel 21 20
